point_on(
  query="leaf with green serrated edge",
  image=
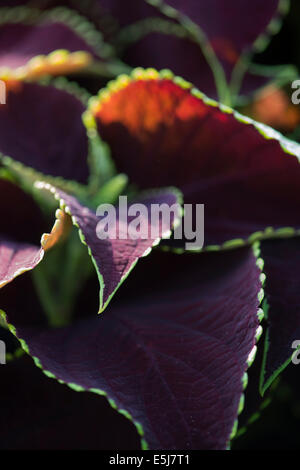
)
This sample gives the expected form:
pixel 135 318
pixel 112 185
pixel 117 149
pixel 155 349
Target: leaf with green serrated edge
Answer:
pixel 281 261
pixel 175 360
pixel 37 43
pixel 22 228
pixel 156 49
pixel 230 27
pixel 115 256
pixel 151 43
pixel 13 350
pixel 164 132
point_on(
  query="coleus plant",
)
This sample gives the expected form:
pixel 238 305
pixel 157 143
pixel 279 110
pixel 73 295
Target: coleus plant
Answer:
pixel 173 344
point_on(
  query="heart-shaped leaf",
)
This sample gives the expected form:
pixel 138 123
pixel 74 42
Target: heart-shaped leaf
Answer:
pixel 116 255
pixel 171 360
pixel 164 132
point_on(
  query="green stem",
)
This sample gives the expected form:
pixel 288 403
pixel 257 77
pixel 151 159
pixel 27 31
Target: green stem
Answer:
pixel 59 277
pixel 237 77
pixel 200 37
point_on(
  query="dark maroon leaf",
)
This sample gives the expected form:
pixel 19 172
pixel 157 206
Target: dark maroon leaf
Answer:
pixel 281 266
pixel 41 127
pixel 39 414
pixel 174 359
pixel 117 255
pixel 231 27
pixel 163 132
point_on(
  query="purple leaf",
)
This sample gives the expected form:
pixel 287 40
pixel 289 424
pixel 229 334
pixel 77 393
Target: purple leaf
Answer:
pixel 55 42
pixel 42 128
pixel 163 132
pixel 174 359
pixel 115 256
pixel 17 258
pixel 22 228
pixel 281 266
pixel 157 50
pixel 231 27
pixel 22 42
